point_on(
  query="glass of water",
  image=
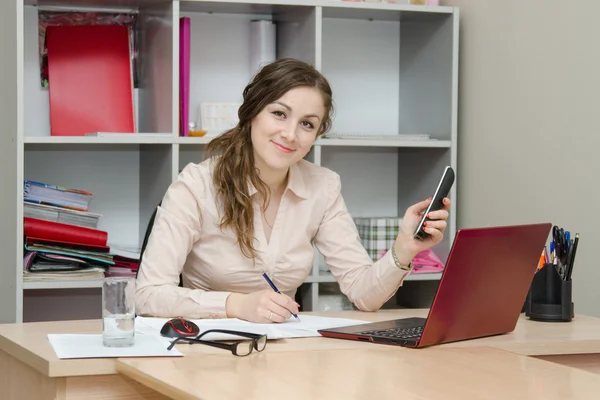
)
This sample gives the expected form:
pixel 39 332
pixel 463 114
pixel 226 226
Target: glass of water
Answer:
pixel 118 311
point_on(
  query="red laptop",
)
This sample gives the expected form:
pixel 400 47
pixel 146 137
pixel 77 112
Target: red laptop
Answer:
pixel 481 292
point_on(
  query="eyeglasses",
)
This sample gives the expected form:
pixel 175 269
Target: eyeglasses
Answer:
pixel 239 348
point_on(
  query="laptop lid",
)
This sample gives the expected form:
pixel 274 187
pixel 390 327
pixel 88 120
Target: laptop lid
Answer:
pixel 485 282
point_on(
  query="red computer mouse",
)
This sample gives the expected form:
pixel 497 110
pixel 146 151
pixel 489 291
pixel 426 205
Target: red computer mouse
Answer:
pixel 179 327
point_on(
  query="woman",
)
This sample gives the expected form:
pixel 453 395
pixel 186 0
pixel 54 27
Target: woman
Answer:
pixel 255 205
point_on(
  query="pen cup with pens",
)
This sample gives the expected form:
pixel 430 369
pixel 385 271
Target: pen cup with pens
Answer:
pixel 550 296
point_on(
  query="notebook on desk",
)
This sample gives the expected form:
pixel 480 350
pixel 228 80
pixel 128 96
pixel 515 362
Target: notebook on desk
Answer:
pixel 481 293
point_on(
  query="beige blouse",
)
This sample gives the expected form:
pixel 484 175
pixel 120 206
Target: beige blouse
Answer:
pixel 186 239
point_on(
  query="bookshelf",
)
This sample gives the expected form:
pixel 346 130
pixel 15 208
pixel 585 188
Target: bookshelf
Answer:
pixel 393 69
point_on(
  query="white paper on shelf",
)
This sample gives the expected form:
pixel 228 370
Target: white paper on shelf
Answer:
pixel 124 250
pixel 377 136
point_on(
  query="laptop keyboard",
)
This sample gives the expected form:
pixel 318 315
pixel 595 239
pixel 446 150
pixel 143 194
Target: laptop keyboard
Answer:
pixel 396 333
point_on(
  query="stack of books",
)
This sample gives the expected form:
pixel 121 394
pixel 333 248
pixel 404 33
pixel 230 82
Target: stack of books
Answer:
pixel 61 237
pixel 66 198
pixel 62 240
pixel 126 262
pixel 58 204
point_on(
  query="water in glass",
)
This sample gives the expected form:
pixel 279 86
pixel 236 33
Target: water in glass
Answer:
pixel 118 330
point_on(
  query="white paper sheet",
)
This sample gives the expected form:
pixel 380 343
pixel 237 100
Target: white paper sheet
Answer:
pixel 90 346
pixel 306 327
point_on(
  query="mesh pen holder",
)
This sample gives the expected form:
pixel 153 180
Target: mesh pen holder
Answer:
pixel 550 297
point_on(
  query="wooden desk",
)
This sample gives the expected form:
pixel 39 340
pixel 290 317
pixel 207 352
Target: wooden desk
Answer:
pixel 392 373
pixel 29 367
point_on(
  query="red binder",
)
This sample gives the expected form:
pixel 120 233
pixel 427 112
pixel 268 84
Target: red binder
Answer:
pixel 66 245
pixel 37 228
pixel 126 262
pixel 90 79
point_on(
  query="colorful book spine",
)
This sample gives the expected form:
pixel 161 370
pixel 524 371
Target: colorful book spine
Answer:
pixel 28 183
pixel 184 75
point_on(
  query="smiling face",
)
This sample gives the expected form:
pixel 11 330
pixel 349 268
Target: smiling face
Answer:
pixel 284 131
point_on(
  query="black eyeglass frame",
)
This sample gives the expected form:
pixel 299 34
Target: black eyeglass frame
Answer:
pixel 254 336
pixel 231 347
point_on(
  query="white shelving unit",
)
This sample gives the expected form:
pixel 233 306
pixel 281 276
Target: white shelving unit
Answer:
pixel 327 277
pixel 64 284
pixel 393 69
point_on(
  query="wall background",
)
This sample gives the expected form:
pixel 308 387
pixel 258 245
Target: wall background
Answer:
pixel 529 123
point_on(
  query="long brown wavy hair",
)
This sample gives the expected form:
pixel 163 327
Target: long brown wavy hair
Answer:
pixel 234 169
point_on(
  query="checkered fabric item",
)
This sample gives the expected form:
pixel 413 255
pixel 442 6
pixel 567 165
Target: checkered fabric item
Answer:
pixel 377 234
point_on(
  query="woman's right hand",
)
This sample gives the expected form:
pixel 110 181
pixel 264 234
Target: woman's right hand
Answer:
pixel 263 307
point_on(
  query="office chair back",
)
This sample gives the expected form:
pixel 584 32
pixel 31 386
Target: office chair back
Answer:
pixel 145 242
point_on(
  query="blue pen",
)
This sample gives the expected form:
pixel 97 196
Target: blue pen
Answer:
pixel 275 289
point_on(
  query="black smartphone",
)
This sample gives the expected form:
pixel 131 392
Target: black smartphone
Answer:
pixel 442 191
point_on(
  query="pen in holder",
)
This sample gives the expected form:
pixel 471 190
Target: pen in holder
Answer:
pixel 550 296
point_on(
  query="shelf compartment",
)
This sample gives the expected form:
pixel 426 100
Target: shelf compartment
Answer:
pixel 127 181
pixel 153 100
pixel 369 177
pixel 332 299
pixel 419 171
pixel 219 73
pixel 61 303
pixel 391 75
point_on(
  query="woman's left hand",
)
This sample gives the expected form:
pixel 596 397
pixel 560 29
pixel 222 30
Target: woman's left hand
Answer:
pixel 408 246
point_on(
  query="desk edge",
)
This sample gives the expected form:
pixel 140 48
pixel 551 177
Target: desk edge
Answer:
pixel 136 375
pixel 24 355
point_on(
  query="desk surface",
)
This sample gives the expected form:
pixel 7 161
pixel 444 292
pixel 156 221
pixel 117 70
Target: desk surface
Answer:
pixel 380 373
pixel 28 342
